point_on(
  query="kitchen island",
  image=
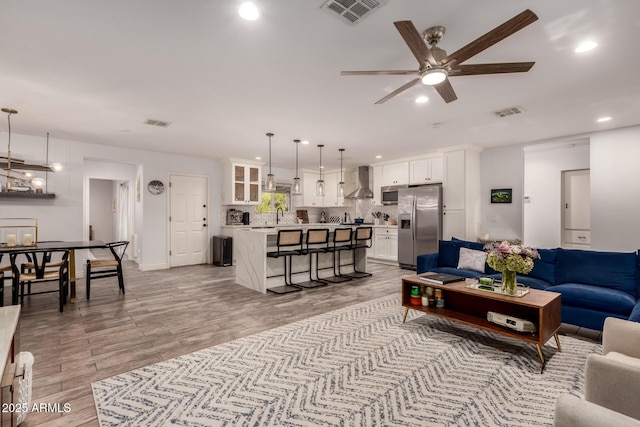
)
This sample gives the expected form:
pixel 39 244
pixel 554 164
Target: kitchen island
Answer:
pixel 256 271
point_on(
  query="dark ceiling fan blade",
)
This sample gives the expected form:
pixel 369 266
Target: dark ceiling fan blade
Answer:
pixel 399 90
pixel 498 68
pixel 380 73
pixel 501 32
pixel 446 91
pixel 413 39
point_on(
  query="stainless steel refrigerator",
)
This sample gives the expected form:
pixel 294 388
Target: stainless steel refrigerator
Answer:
pixel 419 222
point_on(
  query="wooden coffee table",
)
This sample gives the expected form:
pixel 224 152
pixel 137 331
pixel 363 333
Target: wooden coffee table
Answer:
pixel 470 307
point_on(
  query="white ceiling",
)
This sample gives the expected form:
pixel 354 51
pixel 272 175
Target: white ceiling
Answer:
pixel 84 70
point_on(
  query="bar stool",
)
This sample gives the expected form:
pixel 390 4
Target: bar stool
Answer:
pixel 287 239
pixel 341 242
pixel 317 242
pixel 362 239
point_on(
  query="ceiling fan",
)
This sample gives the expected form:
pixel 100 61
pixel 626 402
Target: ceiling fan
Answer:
pixel 436 66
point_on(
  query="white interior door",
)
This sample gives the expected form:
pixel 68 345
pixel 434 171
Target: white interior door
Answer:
pixel 189 220
pixel 576 208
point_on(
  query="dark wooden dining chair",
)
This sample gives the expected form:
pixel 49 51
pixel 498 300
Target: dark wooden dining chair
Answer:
pixel 3 277
pixel 107 267
pixel 40 272
pixel 27 267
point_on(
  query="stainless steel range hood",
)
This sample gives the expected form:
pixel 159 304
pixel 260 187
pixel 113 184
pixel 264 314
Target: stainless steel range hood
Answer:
pixel 362 185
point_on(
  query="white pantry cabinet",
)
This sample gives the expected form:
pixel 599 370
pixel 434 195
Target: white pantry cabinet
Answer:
pixel 461 201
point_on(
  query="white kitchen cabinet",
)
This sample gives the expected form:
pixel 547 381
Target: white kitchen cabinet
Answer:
pixel 461 201
pixel 427 171
pixel 386 244
pixel 241 183
pixel 309 198
pixel 395 174
pixel 331 199
pixel 377 185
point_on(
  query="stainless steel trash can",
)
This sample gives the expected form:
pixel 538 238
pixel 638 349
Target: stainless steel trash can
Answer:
pixel 222 250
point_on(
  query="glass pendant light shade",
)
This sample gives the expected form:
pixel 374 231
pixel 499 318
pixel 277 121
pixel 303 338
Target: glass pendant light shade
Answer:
pixel 320 188
pixel 320 184
pixel 270 183
pixel 296 188
pixel 341 183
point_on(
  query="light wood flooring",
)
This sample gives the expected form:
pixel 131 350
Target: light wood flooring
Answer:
pixel 164 314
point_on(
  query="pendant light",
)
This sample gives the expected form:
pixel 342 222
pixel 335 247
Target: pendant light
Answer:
pixel 341 183
pixel 270 184
pixel 296 188
pixel 9 112
pixel 320 183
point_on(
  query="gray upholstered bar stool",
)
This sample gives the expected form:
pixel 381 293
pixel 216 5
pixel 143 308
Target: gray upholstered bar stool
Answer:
pixel 341 242
pixel 317 242
pixel 362 239
pixel 289 244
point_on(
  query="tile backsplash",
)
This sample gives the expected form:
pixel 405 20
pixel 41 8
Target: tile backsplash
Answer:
pixel 362 208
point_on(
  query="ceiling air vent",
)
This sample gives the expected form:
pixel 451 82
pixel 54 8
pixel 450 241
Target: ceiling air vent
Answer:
pixel 508 112
pixel 159 123
pixel 352 11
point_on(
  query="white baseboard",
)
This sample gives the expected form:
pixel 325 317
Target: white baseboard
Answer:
pixel 151 267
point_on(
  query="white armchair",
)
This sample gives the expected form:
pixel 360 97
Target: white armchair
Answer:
pixel 612 382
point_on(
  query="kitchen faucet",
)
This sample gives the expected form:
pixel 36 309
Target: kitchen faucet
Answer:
pixel 278 219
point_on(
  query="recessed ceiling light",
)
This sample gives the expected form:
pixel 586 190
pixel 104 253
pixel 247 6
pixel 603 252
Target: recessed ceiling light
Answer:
pixel 421 99
pixel 586 46
pixel 603 119
pixel 378 156
pixel 258 158
pixel 249 11
pixel 305 142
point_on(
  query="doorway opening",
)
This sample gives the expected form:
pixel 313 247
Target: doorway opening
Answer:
pixel 576 205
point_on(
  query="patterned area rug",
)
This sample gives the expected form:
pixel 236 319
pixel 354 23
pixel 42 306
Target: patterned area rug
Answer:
pixel 352 367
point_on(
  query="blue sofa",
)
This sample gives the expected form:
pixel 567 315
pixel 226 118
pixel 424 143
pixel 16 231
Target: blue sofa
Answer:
pixel 594 285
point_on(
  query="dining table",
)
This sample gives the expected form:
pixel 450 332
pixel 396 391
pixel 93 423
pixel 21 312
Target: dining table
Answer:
pixel 60 245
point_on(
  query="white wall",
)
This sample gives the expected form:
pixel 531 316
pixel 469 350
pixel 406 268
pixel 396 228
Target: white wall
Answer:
pixel 502 168
pixel 615 186
pixel 543 167
pixel 64 217
pixel 615 190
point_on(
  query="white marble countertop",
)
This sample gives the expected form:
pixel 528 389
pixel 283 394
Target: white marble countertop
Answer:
pixel 8 323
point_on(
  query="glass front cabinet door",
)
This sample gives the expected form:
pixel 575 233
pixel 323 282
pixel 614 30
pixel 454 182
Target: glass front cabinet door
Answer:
pixel 245 184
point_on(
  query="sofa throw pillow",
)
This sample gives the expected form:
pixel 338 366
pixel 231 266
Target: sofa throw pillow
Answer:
pixel 472 260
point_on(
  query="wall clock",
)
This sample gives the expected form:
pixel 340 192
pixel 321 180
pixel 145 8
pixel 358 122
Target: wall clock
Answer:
pixel 155 187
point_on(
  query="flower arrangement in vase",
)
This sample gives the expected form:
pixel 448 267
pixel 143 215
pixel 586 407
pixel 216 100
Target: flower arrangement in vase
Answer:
pixel 510 257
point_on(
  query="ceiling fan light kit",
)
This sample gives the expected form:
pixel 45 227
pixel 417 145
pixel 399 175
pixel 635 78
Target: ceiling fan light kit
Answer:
pixel 435 66
pixel 434 76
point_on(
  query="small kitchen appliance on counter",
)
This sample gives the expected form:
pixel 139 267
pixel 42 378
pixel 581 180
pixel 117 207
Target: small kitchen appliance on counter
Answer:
pixel 234 217
pixel 246 220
